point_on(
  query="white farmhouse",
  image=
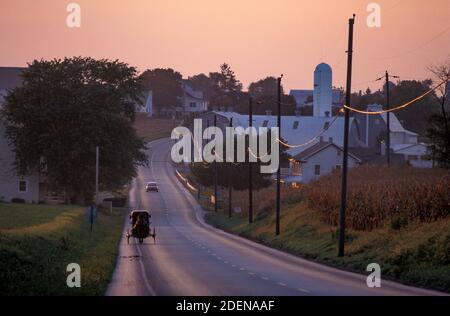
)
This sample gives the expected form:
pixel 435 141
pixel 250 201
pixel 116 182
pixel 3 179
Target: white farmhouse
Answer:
pixel 192 101
pixel 403 141
pixel 14 186
pixel 321 159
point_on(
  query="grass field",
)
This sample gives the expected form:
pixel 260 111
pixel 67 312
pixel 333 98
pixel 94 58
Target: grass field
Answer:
pixel 153 128
pixel 37 242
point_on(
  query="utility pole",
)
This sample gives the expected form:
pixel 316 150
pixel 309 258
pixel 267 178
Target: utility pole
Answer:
pixel 250 167
pixel 351 23
pixel 230 181
pixel 278 211
pixel 216 198
pixel 388 120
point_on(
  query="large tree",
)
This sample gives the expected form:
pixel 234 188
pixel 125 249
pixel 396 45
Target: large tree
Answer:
pixel 165 85
pixel 63 110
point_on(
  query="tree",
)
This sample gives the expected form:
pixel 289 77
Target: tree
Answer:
pixel 264 87
pixel 414 118
pixel 203 83
pixel 165 85
pixel 63 110
pixel 438 132
pixel 226 87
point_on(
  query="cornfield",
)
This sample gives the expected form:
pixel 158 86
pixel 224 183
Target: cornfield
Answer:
pixel 378 195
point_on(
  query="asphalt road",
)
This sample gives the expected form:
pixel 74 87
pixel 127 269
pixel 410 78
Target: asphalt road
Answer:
pixel 191 258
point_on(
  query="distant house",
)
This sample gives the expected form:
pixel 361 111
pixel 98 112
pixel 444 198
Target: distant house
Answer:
pixel 403 142
pixel 192 101
pixel 416 155
pixel 147 104
pixel 374 126
pixel 27 187
pixel 321 159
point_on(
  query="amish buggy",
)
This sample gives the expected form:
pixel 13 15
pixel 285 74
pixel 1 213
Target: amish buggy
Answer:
pixel 140 226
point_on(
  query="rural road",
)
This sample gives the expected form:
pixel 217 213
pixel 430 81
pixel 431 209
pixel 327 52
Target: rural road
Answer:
pixel 192 259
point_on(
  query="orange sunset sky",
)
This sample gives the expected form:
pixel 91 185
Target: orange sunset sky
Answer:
pixel 257 38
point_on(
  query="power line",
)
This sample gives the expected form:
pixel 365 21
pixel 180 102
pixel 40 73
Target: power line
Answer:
pixel 410 51
pixel 405 105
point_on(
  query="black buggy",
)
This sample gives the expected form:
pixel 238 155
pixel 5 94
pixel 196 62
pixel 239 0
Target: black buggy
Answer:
pixel 140 226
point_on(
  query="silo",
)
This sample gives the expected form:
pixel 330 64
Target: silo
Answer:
pixel 323 91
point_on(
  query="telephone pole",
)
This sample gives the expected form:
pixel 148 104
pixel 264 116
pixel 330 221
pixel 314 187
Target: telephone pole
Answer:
pixel 278 211
pixel 250 167
pixel 351 23
pixel 230 180
pixel 216 198
pixel 388 117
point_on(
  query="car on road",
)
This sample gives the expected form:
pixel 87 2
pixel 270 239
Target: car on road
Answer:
pixel 152 187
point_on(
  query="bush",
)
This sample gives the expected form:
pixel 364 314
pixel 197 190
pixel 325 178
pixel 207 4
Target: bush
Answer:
pixel 399 221
pixel 18 201
pixel 377 195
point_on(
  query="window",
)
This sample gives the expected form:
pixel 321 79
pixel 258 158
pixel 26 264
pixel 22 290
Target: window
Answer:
pixel 326 126
pixel 296 123
pixel 413 157
pixel 339 153
pixel 193 104
pixel 317 170
pixel 23 186
pixel 426 157
pixel 338 167
pixel 265 123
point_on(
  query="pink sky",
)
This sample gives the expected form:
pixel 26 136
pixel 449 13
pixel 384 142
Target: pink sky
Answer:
pixel 257 38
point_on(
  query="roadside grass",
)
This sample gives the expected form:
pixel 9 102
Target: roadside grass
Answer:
pixel 37 242
pixel 23 215
pixel 418 254
pixel 153 128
